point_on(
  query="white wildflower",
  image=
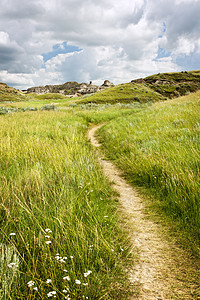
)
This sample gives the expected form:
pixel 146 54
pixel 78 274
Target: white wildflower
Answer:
pixel 105 216
pixel 47 236
pixel 71 257
pixel 35 288
pixel 52 294
pixel 48 281
pixel 66 278
pixel 62 260
pixel 65 257
pixel 11 265
pixel 87 273
pixel 48 242
pixel 65 270
pixel 30 283
pixel 65 290
pixel 77 281
pixel 85 284
pixel 12 234
pixel 48 230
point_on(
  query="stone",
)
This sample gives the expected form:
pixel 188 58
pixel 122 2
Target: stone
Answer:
pixel 107 83
pixel 70 88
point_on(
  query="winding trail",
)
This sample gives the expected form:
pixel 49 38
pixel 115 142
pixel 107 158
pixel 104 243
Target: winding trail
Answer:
pixel 158 271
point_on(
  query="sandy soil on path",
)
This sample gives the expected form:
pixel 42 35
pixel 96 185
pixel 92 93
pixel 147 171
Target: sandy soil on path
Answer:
pixel 159 271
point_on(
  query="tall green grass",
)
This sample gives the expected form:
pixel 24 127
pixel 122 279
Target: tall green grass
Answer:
pixel 60 234
pixel 35 101
pixel 98 113
pixel 159 148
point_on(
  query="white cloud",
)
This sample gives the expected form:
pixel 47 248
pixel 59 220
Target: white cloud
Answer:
pixel 19 80
pixel 120 39
pixel 185 1
pixel 184 46
pixel 4 38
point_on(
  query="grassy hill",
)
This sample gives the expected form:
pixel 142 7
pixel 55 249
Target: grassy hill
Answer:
pixel 172 85
pixel 9 94
pixel 153 88
pixel 150 89
pixel 124 93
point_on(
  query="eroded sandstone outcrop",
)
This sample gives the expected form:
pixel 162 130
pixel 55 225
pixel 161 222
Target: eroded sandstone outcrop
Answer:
pixel 70 88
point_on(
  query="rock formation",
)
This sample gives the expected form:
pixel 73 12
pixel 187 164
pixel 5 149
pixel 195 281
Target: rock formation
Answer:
pixel 70 88
pixel 107 83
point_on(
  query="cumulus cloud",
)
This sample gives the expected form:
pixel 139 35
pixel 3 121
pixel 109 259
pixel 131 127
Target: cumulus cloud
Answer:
pixel 9 49
pixel 107 39
pixel 17 79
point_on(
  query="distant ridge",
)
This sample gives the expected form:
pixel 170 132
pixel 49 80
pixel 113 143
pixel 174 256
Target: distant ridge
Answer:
pixel 152 88
pixel 70 88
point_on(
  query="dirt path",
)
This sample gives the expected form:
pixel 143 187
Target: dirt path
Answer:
pixel 159 272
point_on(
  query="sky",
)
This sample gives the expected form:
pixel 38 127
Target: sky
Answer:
pixel 55 41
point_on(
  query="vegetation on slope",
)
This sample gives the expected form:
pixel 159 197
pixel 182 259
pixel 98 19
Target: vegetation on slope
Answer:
pixel 172 85
pixel 9 94
pixel 124 93
pixel 150 89
pixel 60 234
pixel 159 148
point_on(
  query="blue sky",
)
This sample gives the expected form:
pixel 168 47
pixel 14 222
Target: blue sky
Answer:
pixel 189 62
pixel 62 48
pixel 162 53
pixel 54 41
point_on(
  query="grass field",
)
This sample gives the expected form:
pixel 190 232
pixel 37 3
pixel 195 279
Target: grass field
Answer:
pixel 59 227
pixel 159 149
pixel 60 232
pixel 98 113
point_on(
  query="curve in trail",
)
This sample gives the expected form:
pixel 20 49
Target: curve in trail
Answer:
pixel 156 269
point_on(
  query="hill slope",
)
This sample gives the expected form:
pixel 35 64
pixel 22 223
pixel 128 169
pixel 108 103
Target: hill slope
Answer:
pixel 150 89
pixel 173 85
pixel 153 88
pixel 124 93
pixel 10 94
